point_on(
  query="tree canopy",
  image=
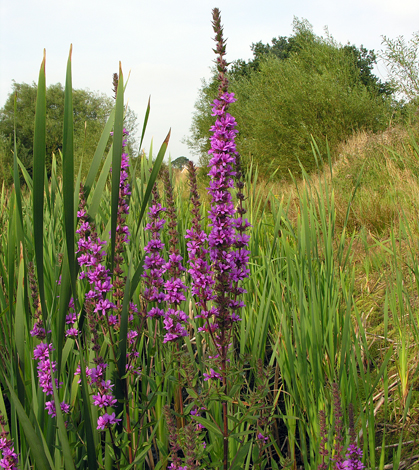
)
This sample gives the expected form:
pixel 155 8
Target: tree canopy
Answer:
pixel 90 113
pixel 180 162
pixel 292 90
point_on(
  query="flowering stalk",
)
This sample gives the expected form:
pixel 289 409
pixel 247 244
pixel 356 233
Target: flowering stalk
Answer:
pixel 99 311
pixel 323 441
pixel 227 241
pixel 8 456
pixel 354 453
pixel 175 319
pixel 42 351
pixel 338 443
pixel 202 281
pixel 154 263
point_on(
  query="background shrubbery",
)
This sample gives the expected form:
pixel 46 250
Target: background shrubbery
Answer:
pixel 298 87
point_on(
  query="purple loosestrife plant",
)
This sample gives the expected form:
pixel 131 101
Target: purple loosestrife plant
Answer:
pixel 154 263
pixel 122 231
pixel 227 241
pixel 121 239
pixel 175 319
pixel 202 281
pixel 353 454
pixel 41 352
pixel 323 441
pixel 338 442
pixel 8 456
pixel 100 311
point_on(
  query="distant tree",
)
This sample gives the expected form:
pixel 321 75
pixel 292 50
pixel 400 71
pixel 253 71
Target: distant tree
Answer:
pixel 180 162
pixel 294 89
pixel 402 61
pixel 364 61
pixel 90 112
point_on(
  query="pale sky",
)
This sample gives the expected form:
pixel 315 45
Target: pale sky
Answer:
pixel 167 45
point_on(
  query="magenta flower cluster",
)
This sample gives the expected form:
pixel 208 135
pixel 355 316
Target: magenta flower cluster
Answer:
pixel 100 309
pixel 8 455
pixel 166 296
pixel 45 366
pixel 353 459
pixel 217 271
pixel 227 232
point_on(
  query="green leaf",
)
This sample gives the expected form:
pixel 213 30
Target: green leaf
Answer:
pixel 192 392
pixel 39 149
pixel 90 441
pixel 116 160
pixel 28 179
pixel 237 463
pixel 140 459
pixel 209 425
pixel 147 113
pixel 152 180
pixel 98 156
pixel 20 317
pixel 100 185
pixel 62 432
pixel 68 175
pixel 32 438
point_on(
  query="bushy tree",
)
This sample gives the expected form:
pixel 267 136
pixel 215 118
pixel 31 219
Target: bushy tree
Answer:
pixel 90 112
pixel 180 162
pixel 297 88
pixel 402 61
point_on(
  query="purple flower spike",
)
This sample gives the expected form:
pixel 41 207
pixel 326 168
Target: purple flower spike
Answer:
pixel 353 458
pixel 218 277
pixel 8 456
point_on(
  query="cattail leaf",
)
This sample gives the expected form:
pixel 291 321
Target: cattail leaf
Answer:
pixel 152 180
pixel 62 432
pixel 20 321
pixel 88 428
pixel 11 254
pixel 26 175
pixel 64 300
pixel 147 113
pixel 54 182
pixel 116 161
pixel 100 185
pixel 98 156
pixel 136 278
pixel 35 444
pixel 68 176
pixel 120 385
pixel 39 149
pixel 16 181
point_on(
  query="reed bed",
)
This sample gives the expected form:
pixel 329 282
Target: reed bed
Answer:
pixel 321 365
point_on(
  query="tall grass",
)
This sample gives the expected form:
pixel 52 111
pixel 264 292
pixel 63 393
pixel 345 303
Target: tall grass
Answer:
pixel 305 325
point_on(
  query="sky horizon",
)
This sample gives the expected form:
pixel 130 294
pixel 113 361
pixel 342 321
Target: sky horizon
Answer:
pixel 167 46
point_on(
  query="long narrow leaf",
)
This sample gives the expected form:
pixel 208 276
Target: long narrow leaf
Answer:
pixel 32 438
pixel 116 160
pixel 39 149
pixel 68 175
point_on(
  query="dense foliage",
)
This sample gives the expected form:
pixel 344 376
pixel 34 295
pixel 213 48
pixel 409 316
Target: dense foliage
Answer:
pixel 402 61
pixel 298 87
